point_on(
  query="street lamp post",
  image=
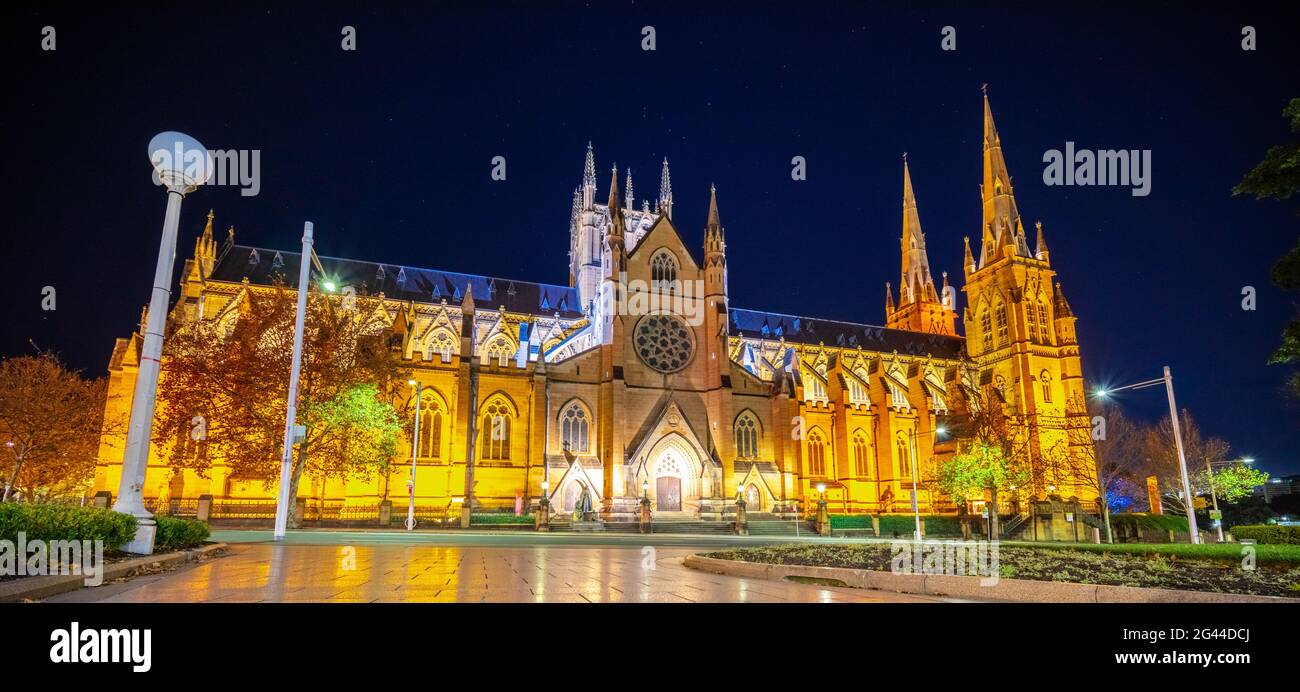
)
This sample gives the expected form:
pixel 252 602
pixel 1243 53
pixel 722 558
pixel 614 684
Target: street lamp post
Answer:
pixel 292 432
pixel 181 164
pixel 1168 381
pixel 415 446
pixel 916 509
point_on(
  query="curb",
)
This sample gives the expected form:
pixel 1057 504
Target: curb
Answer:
pixel 1015 590
pixel 36 588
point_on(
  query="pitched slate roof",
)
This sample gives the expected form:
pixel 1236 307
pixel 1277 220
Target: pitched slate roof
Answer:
pixel 263 266
pixel 808 330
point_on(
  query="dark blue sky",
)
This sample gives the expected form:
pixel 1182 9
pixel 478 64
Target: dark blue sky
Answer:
pixel 387 149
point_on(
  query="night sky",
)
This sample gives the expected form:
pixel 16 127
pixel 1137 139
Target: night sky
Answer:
pixel 388 149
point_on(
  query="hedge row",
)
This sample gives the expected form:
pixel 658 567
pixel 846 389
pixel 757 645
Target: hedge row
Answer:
pixel 67 523
pixel 903 525
pixel 484 519
pixel 1267 533
pixel 1156 522
pixel 850 521
pixel 179 534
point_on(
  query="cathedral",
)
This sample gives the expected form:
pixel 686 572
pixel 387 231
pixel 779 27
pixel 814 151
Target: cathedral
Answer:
pixel 641 379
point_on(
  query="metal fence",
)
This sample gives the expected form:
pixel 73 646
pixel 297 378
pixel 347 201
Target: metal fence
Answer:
pixel 176 507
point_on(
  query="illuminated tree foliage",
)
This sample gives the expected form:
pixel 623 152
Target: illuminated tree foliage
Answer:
pixel 227 385
pixel 982 469
pixel 54 418
pixel 1237 482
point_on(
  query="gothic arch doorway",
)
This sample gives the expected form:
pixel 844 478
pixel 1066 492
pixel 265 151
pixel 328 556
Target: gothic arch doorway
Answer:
pixel 674 473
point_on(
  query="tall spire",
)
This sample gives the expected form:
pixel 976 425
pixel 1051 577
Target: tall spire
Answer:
pixel 916 283
pixel 715 248
pixel 1040 244
pixel 628 192
pixel 589 178
pixel 614 191
pixel 715 222
pixel 665 191
pixel 1001 219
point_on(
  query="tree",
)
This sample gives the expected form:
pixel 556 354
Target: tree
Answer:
pixel 232 380
pixel 1278 177
pixel 981 470
pixel 1114 472
pixel 51 420
pixel 1236 482
pixel 1161 459
pixel 983 420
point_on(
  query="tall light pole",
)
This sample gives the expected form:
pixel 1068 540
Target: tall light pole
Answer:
pixel 415 447
pixel 1168 381
pixel 181 164
pixel 916 509
pixel 1209 476
pixel 292 433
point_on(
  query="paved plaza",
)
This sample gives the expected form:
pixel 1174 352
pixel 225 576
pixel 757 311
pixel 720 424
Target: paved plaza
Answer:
pixel 375 567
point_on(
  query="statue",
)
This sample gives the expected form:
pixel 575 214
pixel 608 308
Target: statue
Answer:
pixel 582 510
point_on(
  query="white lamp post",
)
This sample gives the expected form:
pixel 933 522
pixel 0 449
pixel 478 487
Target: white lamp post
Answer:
pixel 415 446
pixel 180 164
pixel 916 510
pixel 1188 500
pixel 292 432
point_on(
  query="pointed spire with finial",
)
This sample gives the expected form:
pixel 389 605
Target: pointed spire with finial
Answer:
pixel 1060 305
pixel 665 191
pixel 144 319
pixel 615 206
pixel 627 193
pixel 968 262
pixel 613 190
pixel 889 299
pixel 589 178
pixel 205 248
pixel 917 282
pixel 715 221
pixel 1000 216
pixel 1040 244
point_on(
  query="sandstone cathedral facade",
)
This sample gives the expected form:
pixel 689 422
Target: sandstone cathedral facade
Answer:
pixel 641 379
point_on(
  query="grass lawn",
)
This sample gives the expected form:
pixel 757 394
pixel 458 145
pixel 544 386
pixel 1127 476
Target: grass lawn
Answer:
pixel 1279 555
pixel 1167 566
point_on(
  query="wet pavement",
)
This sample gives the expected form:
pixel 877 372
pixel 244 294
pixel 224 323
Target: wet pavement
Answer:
pixel 383 568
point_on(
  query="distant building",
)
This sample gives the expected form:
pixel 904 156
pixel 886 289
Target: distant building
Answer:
pixel 1278 486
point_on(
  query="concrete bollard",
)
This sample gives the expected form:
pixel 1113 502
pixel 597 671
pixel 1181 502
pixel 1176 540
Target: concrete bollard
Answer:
pixel 205 508
pixel 385 512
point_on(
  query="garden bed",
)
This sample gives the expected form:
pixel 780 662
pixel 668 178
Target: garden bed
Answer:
pixel 1154 567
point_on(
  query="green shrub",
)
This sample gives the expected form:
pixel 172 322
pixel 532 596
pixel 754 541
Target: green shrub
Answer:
pixel 1267 533
pixel 64 522
pixel 179 534
pixel 942 526
pixel 891 525
pixel 850 521
pixel 500 518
